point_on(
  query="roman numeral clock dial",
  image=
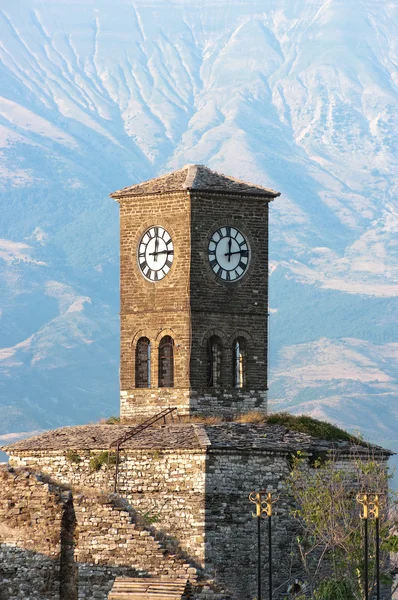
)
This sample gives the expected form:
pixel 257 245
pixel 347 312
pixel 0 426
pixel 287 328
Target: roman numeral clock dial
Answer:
pixel 155 253
pixel 228 253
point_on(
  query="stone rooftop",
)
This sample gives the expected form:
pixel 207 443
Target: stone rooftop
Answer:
pixel 234 436
pixel 195 178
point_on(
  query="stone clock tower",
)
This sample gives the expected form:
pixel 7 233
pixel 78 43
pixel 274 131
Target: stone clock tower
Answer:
pixel 194 294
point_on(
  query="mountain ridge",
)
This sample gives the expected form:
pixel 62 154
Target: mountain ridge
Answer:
pixel 297 97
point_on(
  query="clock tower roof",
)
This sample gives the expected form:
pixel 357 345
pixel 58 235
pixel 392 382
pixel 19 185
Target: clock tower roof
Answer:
pixel 195 178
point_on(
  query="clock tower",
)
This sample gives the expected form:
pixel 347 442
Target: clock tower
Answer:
pixel 194 294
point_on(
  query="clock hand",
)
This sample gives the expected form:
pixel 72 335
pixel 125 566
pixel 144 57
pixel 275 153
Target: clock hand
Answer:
pixel 155 254
pixel 161 252
pixel 229 254
pixel 229 249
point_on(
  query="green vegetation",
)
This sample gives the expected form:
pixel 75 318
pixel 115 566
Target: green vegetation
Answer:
pixel 103 458
pixel 301 423
pixel 305 424
pixel 149 518
pixel 330 540
pixel 113 420
pixel 73 457
pixel 332 589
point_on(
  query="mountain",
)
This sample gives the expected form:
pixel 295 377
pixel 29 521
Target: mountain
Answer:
pixel 297 96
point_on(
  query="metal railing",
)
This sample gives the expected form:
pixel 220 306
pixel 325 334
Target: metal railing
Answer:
pixel 135 431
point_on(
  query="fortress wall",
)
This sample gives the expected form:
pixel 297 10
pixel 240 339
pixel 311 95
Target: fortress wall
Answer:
pixel 165 486
pixel 70 472
pixel 231 530
pixel 55 545
pixel 168 488
pixel 197 500
pixel 194 499
pixel 31 514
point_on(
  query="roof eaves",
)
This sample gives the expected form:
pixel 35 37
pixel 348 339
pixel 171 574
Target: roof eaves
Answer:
pixel 122 194
pixel 271 194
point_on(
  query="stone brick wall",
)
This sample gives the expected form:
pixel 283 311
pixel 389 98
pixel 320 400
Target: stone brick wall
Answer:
pixel 235 309
pixel 55 545
pixel 169 487
pixel 196 500
pixel 142 403
pixel 228 402
pixel 193 502
pixel 231 530
pixel 29 546
pixel 108 544
pixel 154 310
pixel 210 402
pixel 27 574
pixel 166 486
pixel 190 304
pixel 55 464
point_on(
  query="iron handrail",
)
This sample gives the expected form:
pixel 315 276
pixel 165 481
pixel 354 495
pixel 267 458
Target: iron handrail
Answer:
pixel 135 431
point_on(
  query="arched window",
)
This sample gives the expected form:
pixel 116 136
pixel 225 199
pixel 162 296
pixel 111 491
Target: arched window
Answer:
pixel 239 365
pixel 143 363
pixel 166 362
pixel 214 359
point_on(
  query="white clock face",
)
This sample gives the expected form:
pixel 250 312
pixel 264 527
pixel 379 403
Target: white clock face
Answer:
pixel 155 253
pixel 228 253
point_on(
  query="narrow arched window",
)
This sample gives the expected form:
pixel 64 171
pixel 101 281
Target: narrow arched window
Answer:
pixel 214 360
pixel 166 362
pixel 143 363
pixel 239 357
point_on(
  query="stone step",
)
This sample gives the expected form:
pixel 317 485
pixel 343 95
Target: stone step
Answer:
pixel 129 588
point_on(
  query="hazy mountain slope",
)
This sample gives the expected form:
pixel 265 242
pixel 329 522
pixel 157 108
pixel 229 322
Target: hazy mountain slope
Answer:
pixel 299 96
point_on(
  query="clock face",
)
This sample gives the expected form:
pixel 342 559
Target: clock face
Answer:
pixel 155 253
pixel 228 253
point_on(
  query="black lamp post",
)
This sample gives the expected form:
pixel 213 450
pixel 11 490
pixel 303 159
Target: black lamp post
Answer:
pixel 256 498
pixel 364 500
pixel 376 513
pixel 269 514
pixel 263 502
pixel 370 509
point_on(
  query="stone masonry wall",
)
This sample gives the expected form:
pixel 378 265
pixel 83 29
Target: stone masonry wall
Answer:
pixel 227 309
pixel 108 544
pixel 193 501
pixel 142 403
pixel 231 530
pixel 198 501
pixel 57 465
pixel 29 546
pixel 210 402
pixel 191 304
pixel 169 487
pixel 165 486
pixel 105 542
pixel 228 403
pixel 154 310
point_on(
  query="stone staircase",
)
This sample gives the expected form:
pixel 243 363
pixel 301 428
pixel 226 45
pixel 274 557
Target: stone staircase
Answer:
pixel 128 588
pixel 107 536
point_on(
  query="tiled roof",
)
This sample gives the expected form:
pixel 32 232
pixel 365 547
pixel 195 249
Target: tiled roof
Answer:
pixel 196 178
pixel 233 436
